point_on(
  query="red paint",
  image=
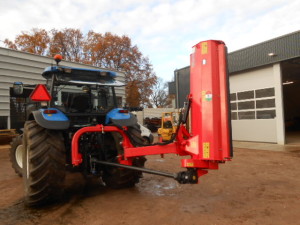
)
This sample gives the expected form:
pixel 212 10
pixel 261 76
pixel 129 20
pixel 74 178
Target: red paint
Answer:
pixel 40 94
pixel 77 157
pixel 123 111
pixel 209 91
pixel 151 150
pixel 50 111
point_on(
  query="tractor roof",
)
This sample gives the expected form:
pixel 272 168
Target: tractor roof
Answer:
pixel 70 75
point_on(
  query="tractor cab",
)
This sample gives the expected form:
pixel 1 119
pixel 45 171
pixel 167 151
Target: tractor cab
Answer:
pixel 85 96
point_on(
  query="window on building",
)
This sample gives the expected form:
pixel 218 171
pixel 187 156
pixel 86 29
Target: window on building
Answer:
pixel 265 114
pixel 233 106
pixel 233 97
pixel 247 115
pixel 246 105
pixel 263 93
pixel 253 104
pixel 245 95
pixel 234 115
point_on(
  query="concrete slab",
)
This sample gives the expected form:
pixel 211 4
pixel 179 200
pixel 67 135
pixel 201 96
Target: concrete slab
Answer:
pixel 266 146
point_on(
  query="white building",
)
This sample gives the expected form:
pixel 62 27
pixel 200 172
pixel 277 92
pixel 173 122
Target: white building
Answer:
pixel 264 90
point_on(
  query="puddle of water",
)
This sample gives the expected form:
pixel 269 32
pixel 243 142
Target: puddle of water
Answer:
pixel 157 188
pixel 159 160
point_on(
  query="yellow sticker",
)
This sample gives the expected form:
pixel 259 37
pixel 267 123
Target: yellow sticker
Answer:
pixel 206 150
pixel 190 164
pixel 203 95
pixel 204 48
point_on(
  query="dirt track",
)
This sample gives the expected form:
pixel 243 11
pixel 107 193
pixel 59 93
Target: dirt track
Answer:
pixel 257 187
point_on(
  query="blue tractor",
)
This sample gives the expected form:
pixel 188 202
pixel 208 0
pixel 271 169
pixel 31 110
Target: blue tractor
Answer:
pixel 73 98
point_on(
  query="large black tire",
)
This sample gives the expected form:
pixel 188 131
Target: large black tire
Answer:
pixel 44 164
pixel 117 178
pixel 114 177
pixel 16 154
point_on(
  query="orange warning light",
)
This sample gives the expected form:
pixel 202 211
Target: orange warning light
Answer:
pixel 40 94
pixel 57 58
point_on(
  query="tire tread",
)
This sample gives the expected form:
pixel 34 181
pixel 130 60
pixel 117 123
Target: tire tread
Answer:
pixel 46 162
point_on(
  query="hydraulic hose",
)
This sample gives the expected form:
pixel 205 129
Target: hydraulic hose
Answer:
pixel 182 120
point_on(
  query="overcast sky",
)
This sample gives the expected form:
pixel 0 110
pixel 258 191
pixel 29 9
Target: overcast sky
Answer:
pixel 164 30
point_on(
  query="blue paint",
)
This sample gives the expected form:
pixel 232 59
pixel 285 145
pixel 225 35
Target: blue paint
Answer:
pixel 116 115
pixel 59 69
pixel 58 116
pixel 18 83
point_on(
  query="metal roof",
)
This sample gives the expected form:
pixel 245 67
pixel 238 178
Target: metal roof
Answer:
pixel 265 53
pixel 268 52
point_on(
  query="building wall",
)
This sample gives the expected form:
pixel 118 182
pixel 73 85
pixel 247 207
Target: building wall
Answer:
pixel 257 74
pixel 182 86
pixel 254 107
pixel 27 68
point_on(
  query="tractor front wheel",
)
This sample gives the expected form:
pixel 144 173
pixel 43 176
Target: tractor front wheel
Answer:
pixel 43 164
pixel 16 154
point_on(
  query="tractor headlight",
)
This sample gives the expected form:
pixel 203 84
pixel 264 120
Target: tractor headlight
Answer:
pixel 18 88
pixel 86 89
pixel 103 74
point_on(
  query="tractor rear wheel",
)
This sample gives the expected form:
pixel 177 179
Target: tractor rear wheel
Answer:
pixel 114 177
pixel 118 178
pixel 43 164
pixel 16 154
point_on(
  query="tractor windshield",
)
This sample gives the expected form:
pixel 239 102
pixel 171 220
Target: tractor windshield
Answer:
pixel 77 90
pixel 84 99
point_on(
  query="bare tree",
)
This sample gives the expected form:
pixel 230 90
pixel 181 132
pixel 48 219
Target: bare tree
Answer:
pixel 159 97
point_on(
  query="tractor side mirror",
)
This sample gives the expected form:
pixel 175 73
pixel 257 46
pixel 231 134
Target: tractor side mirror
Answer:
pixel 18 88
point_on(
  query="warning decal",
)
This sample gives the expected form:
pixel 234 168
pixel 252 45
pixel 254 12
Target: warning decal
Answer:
pixel 207 96
pixel 206 150
pixel 204 48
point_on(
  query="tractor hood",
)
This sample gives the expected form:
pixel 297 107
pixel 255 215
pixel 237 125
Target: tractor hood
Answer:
pixel 70 75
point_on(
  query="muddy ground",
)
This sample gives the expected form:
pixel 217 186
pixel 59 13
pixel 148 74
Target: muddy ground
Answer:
pixel 257 187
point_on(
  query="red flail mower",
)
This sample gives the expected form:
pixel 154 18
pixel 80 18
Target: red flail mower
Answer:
pixel 208 143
